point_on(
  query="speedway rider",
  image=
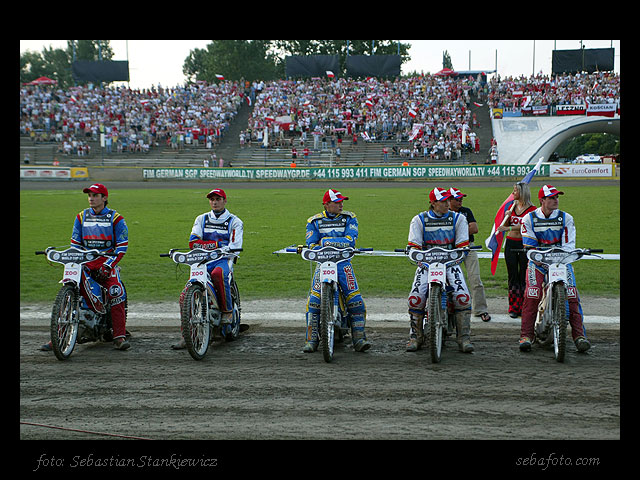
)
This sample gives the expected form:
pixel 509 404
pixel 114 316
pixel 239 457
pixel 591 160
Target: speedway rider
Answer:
pixel 338 228
pixel 101 228
pixel 439 227
pixel 548 226
pixel 217 228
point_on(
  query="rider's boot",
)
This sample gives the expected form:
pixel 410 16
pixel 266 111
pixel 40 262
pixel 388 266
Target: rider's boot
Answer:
pixel 359 338
pixel 416 334
pixel 311 338
pixel 463 327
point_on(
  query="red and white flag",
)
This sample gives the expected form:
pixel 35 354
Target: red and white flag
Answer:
pixel 369 103
pixel 219 77
pixel 330 74
pixel 412 113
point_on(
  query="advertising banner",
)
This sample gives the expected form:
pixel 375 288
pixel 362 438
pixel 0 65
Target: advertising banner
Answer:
pixel 598 170
pixel 343 173
pixel 53 173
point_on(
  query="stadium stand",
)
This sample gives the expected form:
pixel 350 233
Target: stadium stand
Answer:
pixel 327 122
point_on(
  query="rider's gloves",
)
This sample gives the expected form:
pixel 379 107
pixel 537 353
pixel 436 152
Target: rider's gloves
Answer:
pixel 204 244
pixel 103 273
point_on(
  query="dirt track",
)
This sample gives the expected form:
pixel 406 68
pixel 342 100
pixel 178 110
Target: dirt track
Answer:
pixel 263 387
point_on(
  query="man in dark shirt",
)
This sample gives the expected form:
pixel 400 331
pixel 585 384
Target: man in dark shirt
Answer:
pixel 476 287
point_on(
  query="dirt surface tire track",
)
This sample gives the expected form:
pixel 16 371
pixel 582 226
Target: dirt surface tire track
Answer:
pixel 263 387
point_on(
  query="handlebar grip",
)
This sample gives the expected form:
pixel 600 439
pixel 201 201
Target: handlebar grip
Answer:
pixel 293 250
pixel 398 250
pixel 596 250
pixel 165 255
pixel 235 249
pixel 40 252
pixel 366 249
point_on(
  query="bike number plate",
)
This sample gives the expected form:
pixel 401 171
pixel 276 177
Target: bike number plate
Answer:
pixel 199 273
pixel 328 272
pixel 437 273
pixel 557 273
pixel 72 273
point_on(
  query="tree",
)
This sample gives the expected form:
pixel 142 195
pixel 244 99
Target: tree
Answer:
pixel 265 59
pixel 56 63
pixel 235 60
pixel 446 60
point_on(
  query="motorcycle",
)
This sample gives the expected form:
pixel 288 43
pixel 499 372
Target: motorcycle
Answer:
pixel 79 315
pixel 439 321
pixel 335 321
pixel 553 309
pixel 200 315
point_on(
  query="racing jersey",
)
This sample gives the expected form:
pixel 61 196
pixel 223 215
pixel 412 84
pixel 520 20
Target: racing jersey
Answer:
pixel 427 229
pixel 340 230
pixel 105 231
pixel 226 230
pixel 557 230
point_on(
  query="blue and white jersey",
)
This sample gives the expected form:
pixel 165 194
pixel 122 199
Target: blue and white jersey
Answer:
pixel 428 229
pixel 226 229
pixel 339 230
pixel 105 231
pixel 557 230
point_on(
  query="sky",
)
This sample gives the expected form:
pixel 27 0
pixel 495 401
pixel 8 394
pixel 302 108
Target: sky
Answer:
pixel 159 62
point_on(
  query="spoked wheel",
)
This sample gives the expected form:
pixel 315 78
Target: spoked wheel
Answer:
pixel 436 322
pixel 327 321
pixel 559 309
pixel 231 332
pixel 196 329
pixel 64 322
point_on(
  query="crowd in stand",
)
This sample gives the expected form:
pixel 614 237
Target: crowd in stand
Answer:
pixel 131 120
pixel 374 110
pixel 432 112
pixel 577 89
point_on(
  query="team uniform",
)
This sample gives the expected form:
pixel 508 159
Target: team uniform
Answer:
pixel 107 232
pixel 449 230
pixel 340 230
pixel 210 231
pixel 557 230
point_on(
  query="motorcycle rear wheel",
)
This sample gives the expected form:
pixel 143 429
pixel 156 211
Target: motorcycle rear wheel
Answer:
pixel 559 313
pixel 64 322
pixel 196 329
pixel 436 322
pixel 327 325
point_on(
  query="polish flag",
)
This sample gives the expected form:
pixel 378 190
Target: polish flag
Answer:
pixel 330 74
pixel 220 77
pixel 412 113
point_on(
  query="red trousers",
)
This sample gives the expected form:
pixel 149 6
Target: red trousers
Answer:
pixel 533 295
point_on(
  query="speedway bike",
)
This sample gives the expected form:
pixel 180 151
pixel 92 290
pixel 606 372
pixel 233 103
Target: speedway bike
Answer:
pixel 81 312
pixel 200 316
pixel 553 310
pixel 439 321
pixel 335 321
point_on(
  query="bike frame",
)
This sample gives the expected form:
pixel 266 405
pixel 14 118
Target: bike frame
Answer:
pixel 556 261
pixel 73 260
pixel 437 260
pixel 198 259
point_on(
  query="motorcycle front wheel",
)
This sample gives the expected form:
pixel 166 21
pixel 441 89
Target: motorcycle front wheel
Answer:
pixel 196 329
pixel 436 322
pixel 327 321
pixel 64 322
pixel 559 320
